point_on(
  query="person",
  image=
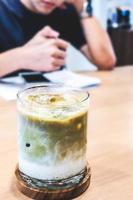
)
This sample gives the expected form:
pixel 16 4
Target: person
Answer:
pixel 35 34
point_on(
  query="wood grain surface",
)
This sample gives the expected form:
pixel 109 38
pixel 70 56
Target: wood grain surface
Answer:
pixel 110 140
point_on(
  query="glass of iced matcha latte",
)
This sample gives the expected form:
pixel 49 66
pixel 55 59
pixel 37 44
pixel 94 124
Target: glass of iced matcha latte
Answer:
pixel 52 135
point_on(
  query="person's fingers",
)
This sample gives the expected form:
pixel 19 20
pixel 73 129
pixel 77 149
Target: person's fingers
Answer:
pixel 62 44
pixel 58 62
pixel 56 68
pixel 48 32
pixel 59 53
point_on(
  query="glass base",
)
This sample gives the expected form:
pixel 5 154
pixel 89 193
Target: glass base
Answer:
pixel 64 189
pixel 54 184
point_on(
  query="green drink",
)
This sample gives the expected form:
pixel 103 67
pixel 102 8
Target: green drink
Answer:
pixel 52 132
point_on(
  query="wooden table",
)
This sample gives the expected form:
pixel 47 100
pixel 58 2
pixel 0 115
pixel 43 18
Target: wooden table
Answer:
pixel 110 140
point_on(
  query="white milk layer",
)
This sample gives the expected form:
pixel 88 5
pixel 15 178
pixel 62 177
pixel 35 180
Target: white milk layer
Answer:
pixel 64 170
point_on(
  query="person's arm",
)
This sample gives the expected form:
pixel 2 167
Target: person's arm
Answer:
pixel 45 52
pixel 98 49
pixel 10 61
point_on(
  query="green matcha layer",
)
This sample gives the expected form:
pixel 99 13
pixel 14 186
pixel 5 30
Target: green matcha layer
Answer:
pixel 51 141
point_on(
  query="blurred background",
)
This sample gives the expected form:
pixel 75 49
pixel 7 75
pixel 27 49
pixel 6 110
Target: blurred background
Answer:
pixel 117 17
pixel 107 9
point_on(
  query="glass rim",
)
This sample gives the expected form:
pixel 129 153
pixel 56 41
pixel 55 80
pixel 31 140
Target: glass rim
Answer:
pixel 87 95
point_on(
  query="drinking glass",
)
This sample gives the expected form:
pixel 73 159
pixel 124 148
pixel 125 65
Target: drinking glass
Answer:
pixel 52 136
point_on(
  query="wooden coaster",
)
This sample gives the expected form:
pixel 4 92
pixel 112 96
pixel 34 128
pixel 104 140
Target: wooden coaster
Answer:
pixel 45 194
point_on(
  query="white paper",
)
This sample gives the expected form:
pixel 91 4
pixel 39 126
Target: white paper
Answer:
pixel 72 79
pixel 9 91
pixel 76 61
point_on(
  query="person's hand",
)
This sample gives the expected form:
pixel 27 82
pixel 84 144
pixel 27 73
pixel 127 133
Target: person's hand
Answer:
pixel 45 52
pixel 42 36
